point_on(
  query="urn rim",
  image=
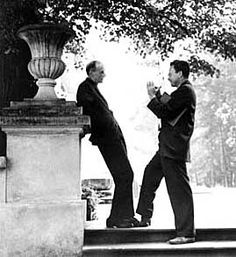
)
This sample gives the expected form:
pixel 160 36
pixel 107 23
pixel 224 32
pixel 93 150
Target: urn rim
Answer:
pixel 47 26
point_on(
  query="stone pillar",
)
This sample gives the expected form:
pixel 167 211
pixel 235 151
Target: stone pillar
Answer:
pixel 41 211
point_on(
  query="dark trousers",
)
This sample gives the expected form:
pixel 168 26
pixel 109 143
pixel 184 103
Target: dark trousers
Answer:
pixel 179 191
pixel 115 156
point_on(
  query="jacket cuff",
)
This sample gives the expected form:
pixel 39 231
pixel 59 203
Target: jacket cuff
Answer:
pixel 154 102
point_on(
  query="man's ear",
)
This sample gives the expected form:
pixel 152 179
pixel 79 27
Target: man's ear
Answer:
pixel 91 71
pixel 180 74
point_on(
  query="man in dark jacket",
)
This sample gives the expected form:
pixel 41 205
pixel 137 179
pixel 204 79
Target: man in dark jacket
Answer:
pixel 107 135
pixel 177 122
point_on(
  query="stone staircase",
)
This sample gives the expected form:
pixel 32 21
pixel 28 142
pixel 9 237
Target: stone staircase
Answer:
pixel 152 242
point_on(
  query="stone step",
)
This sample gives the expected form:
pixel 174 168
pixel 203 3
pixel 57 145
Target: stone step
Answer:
pixel 147 235
pixel 151 249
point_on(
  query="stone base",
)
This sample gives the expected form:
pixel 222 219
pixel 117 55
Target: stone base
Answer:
pixel 43 164
pixel 41 214
pixel 42 229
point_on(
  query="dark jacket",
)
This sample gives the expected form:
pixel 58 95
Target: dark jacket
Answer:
pixel 174 139
pixel 104 127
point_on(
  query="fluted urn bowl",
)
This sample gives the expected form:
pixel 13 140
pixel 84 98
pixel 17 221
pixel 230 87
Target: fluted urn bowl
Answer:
pixel 46 42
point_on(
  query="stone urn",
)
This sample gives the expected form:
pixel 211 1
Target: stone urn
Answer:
pixel 46 42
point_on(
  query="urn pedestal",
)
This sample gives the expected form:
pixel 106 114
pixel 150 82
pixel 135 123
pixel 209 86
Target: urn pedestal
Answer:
pixel 41 211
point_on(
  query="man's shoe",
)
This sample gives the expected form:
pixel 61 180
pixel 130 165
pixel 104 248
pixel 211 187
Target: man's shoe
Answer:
pixel 145 222
pixel 133 221
pixel 181 240
pixel 124 223
pixel 111 224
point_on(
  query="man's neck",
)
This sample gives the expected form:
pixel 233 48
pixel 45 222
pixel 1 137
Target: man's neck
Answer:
pixel 182 81
pixel 92 80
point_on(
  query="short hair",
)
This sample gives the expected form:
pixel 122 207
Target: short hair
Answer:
pixel 91 66
pixel 180 65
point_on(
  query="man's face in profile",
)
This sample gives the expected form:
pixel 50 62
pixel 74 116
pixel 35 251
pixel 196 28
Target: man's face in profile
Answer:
pixel 98 74
pixel 174 77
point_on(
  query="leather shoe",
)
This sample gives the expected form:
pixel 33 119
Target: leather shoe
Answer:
pixel 124 223
pixel 181 240
pixel 145 222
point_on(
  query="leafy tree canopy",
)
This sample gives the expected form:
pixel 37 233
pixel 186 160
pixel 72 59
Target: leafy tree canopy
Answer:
pixel 152 25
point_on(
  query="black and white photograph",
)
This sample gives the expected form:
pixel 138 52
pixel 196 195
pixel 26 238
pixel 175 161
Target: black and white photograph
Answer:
pixel 117 128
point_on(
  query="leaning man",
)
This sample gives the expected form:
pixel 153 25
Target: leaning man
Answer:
pixel 107 135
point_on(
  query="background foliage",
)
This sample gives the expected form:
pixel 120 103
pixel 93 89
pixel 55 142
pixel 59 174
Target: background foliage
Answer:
pixel 151 25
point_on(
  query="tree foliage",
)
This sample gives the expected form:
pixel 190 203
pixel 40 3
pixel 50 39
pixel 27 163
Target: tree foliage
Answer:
pixel 215 148
pixel 13 15
pixel 15 81
pixel 152 25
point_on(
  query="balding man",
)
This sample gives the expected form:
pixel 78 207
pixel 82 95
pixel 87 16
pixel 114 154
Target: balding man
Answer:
pixel 107 135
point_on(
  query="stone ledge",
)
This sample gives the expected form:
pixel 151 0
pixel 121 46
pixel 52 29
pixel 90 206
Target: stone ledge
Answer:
pixel 104 235
pixel 32 102
pixel 42 108
pixel 24 121
pixel 197 249
pixel 44 113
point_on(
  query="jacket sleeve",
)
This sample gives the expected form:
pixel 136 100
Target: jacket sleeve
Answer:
pixel 101 118
pixel 180 99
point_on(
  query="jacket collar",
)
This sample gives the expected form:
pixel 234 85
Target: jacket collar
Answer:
pixel 91 82
pixel 185 82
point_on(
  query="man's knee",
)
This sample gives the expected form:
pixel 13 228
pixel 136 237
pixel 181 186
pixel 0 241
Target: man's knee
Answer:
pixel 125 178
